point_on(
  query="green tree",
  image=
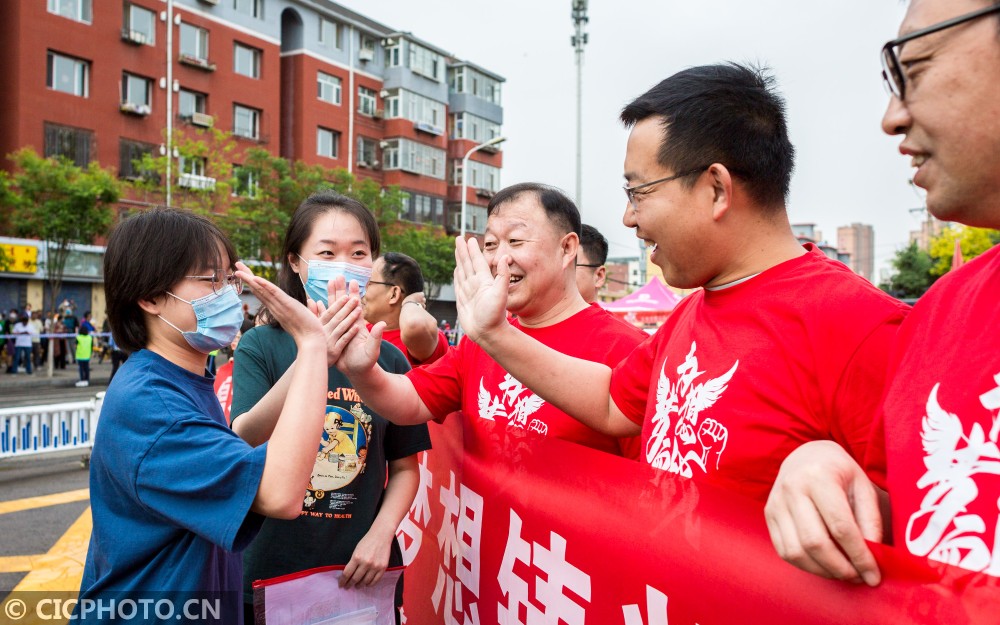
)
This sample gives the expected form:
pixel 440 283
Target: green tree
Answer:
pixel 912 276
pixel 429 246
pixel 206 152
pixel 974 241
pixel 62 204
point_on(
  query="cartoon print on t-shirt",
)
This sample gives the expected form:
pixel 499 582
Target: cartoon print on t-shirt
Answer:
pixel 343 450
pixel 510 405
pixel 691 442
pixel 942 529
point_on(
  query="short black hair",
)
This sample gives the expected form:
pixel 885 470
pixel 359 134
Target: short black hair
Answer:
pixel 560 210
pixel 726 113
pixel 301 225
pixel 147 254
pixel 402 271
pixel 594 245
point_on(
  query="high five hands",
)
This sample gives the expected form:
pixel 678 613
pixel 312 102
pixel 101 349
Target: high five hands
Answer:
pixel 480 297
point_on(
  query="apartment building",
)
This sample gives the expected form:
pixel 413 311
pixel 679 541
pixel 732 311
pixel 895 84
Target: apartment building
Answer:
pixel 308 80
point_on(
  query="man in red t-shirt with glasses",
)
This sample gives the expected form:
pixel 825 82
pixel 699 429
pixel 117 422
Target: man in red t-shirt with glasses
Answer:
pixel 780 347
pixel 934 453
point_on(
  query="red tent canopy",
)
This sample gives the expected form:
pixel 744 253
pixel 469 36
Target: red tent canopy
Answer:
pixel 650 304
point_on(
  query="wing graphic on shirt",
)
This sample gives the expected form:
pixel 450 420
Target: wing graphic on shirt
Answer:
pixel 489 407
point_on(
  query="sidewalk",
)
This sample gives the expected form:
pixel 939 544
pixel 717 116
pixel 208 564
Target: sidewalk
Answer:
pixel 99 375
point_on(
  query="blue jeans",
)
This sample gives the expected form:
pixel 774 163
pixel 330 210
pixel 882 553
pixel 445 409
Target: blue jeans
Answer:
pixel 25 354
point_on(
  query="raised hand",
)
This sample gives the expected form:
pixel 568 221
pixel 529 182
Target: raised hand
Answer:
pixel 481 298
pixel 340 320
pixel 361 353
pixel 301 322
pixel 821 510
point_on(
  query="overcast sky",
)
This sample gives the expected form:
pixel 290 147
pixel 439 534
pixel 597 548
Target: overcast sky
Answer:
pixel 824 54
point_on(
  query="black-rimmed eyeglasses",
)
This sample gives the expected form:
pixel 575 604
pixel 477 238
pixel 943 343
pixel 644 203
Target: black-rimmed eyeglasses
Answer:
pixel 220 283
pixel 892 69
pixel 630 192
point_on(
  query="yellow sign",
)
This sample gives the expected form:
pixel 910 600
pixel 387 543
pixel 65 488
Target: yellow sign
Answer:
pixel 18 258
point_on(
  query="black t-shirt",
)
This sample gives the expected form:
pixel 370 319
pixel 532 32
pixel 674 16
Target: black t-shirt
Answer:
pixel 349 476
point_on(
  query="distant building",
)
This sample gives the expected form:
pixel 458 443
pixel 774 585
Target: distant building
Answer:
pixel 857 242
pixel 623 277
pixel 929 229
pixel 808 233
pixel 307 80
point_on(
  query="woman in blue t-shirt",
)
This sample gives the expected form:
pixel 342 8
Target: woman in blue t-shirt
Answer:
pixel 175 494
pixel 365 473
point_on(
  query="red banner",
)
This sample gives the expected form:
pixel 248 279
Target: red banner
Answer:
pixel 510 528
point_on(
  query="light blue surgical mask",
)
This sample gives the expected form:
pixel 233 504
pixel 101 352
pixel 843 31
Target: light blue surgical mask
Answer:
pixel 322 271
pixel 220 316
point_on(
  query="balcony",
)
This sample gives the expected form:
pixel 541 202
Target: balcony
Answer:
pixel 196 182
pixel 196 62
pixel 132 108
pixel 485 193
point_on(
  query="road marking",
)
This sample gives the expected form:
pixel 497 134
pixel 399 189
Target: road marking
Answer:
pixel 17 564
pixel 61 569
pixel 30 503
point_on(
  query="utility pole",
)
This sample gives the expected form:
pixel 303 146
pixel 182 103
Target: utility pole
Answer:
pixel 578 41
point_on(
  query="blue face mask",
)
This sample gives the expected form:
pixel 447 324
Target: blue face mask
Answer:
pixel 220 316
pixel 322 271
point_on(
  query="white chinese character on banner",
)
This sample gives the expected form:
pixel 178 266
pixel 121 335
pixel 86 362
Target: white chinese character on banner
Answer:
pixel 559 573
pixel 459 540
pixel 410 532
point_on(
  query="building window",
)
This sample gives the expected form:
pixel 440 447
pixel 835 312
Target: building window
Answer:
pixel 246 122
pixel 426 63
pixel 392 56
pixel 473 127
pixel 475 218
pixel 140 25
pixel 414 157
pixel 79 10
pixel 330 33
pixel 71 143
pixel 328 88
pixel 481 175
pixel 136 94
pixel 130 160
pixel 194 42
pixel 246 61
pixel 191 102
pixel 366 101
pixel 423 209
pixel 367 152
pixel 253 8
pixel 246 182
pixel 66 74
pixel 327 143
pixel 193 165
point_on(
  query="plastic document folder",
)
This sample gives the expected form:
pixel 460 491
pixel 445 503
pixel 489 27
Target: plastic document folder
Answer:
pixel 314 597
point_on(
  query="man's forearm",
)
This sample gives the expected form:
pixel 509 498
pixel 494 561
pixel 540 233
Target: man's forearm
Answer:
pixel 392 395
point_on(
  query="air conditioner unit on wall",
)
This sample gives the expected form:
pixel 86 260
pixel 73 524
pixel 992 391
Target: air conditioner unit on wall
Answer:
pixel 364 54
pixel 212 2
pixel 202 119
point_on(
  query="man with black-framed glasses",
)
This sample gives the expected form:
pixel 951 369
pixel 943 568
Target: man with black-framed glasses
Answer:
pixel 781 346
pixel 934 460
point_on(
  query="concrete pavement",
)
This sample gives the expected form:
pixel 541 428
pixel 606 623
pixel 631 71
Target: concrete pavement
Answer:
pixel 99 376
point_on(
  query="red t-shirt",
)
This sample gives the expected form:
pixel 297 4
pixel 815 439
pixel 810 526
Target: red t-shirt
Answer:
pixel 224 387
pixel 467 379
pixel 738 378
pixel 941 420
pixel 396 338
